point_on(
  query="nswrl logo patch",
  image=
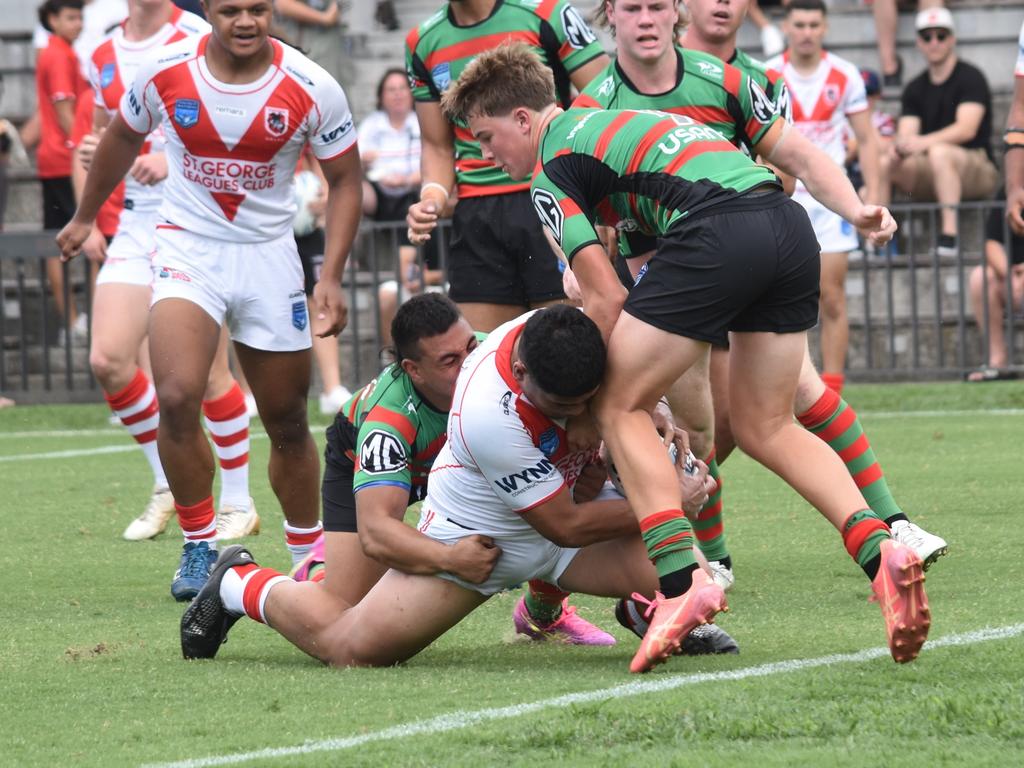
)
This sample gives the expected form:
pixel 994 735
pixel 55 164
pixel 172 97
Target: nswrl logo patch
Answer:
pixel 186 112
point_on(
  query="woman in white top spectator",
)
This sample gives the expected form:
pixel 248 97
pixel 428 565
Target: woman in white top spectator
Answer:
pixel 389 144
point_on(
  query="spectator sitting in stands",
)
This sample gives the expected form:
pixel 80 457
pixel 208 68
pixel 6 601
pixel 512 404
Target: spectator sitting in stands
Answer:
pixel 942 140
pixel 991 316
pixel 315 26
pixel 886 21
pixel 389 142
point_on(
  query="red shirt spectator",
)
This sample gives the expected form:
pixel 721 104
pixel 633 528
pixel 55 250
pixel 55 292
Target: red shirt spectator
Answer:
pixel 58 78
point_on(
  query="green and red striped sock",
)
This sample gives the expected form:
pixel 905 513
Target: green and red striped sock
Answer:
pixel 669 540
pixel 834 421
pixel 708 525
pixel 544 601
pixel 863 534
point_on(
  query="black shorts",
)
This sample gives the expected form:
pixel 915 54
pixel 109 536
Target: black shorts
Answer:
pixel 58 202
pixel 499 254
pixel 750 266
pixel 311 254
pixel 339 502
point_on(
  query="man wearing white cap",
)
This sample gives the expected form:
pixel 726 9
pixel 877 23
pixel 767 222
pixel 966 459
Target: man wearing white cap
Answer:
pixel 942 147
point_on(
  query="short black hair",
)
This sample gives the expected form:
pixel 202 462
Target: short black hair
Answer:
pixel 563 351
pixel 807 5
pixel 55 7
pixel 422 316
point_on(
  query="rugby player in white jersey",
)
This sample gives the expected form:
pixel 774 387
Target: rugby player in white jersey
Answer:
pixel 121 304
pixel 505 473
pixel 236 108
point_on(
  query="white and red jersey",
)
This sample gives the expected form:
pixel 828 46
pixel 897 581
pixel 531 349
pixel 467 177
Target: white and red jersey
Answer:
pixel 114 63
pixel 232 148
pixel 822 100
pixel 502 457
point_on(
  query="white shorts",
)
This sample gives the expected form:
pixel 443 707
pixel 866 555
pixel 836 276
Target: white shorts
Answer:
pixel 835 234
pixel 257 288
pixel 524 556
pixel 130 254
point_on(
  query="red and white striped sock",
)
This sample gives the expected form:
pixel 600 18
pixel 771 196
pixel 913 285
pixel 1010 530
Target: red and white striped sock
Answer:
pixel 198 522
pixel 137 408
pixel 300 540
pixel 228 421
pixel 244 589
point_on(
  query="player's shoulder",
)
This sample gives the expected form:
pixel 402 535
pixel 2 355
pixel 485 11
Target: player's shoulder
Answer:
pixel 749 64
pixel 190 23
pixel 711 69
pixel 173 54
pixel 603 84
pixel 104 51
pixel 429 30
pixel 844 66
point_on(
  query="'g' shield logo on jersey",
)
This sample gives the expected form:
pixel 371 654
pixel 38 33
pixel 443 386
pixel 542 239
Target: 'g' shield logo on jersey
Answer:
pixel 276 121
pixel 381 452
pixel 107 75
pixel 764 109
pixel 577 32
pixel 186 112
pixel 550 212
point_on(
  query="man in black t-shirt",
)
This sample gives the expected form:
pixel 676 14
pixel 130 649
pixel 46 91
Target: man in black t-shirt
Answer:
pixel 942 148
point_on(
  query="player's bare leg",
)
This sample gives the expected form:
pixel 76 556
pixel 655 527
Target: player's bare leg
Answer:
pixel 835 325
pixel 643 362
pixel 182 343
pixel 691 403
pixel 348 573
pixel 764 371
pixel 399 617
pixel 280 383
pixel 227 420
pixel 120 315
pixel 718 375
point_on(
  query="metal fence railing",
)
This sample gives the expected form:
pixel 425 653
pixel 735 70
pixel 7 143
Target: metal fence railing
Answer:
pixel 909 308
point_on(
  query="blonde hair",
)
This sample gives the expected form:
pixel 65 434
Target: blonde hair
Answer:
pixel 600 17
pixel 499 81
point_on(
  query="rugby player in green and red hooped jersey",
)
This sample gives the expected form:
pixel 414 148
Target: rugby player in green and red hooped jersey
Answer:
pixel 733 254
pixel 379 451
pixel 650 72
pixel 712 29
pixel 493 270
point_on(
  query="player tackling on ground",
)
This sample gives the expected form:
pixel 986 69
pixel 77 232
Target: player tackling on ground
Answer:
pixel 734 254
pixel 506 473
pixel 236 108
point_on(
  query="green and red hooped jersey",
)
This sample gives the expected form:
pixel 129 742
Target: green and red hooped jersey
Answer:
pixel 399 433
pixel 438 50
pixel 639 171
pixel 710 91
pixel 770 80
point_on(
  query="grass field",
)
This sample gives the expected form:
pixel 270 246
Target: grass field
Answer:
pixel 92 674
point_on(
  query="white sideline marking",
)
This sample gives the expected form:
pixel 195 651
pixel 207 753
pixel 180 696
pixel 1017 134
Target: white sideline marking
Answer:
pixel 92 451
pixel 458 720
pixel 111 432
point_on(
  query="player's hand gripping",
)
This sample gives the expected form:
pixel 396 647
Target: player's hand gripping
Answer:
pixel 329 305
pixel 473 558
pixel 422 220
pixel 95 246
pixel 694 483
pixel 72 237
pixel 875 223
